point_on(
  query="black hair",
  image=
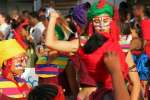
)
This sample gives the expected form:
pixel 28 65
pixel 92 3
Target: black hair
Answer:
pixel 125 28
pixel 34 15
pixel 15 23
pixel 145 7
pixel 43 92
pixel 27 28
pixel 87 5
pixel 123 11
pixel 6 16
pixel 147 11
pixel 25 13
pixel 43 9
pixel 3 13
pixel 42 18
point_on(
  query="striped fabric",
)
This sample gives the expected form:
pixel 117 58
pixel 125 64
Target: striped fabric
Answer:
pixel 125 42
pixel 50 70
pixel 13 90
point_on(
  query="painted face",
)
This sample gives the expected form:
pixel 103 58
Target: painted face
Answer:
pixel 18 64
pixel 102 23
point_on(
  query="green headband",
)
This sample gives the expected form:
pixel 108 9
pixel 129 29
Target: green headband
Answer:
pixel 94 11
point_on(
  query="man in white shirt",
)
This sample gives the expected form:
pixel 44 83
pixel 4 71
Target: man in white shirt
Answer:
pixel 37 28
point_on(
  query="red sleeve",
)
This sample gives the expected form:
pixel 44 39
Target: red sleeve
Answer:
pixel 19 39
pixel 115 31
pixel 3 97
pixel 60 95
pixel 145 25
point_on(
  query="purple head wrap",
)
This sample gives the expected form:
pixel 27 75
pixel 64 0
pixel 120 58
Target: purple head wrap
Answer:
pixel 79 13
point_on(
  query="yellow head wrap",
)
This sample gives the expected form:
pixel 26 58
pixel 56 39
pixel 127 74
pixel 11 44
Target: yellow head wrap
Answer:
pixel 9 49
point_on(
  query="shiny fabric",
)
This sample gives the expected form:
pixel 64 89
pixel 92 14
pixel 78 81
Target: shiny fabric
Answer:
pixel 142 65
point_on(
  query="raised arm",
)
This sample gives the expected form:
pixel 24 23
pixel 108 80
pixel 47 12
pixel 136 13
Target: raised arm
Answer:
pixel 54 43
pixel 111 60
pixel 134 78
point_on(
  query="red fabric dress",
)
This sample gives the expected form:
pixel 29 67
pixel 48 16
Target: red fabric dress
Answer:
pixel 145 23
pixel 94 62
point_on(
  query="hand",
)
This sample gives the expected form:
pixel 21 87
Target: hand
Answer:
pixel 54 14
pixel 112 62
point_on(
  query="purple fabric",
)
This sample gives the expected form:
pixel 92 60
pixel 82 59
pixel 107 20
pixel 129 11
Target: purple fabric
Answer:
pixel 79 13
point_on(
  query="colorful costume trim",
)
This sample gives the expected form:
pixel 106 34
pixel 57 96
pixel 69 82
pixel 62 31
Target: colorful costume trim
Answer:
pixel 14 90
pixel 53 69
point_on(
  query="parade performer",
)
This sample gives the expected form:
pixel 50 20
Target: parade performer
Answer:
pixel 13 62
pixel 103 36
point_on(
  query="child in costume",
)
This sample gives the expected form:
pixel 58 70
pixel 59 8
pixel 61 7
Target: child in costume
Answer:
pixel 13 62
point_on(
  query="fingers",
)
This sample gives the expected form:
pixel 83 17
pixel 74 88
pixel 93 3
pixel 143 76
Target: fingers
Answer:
pixel 111 54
